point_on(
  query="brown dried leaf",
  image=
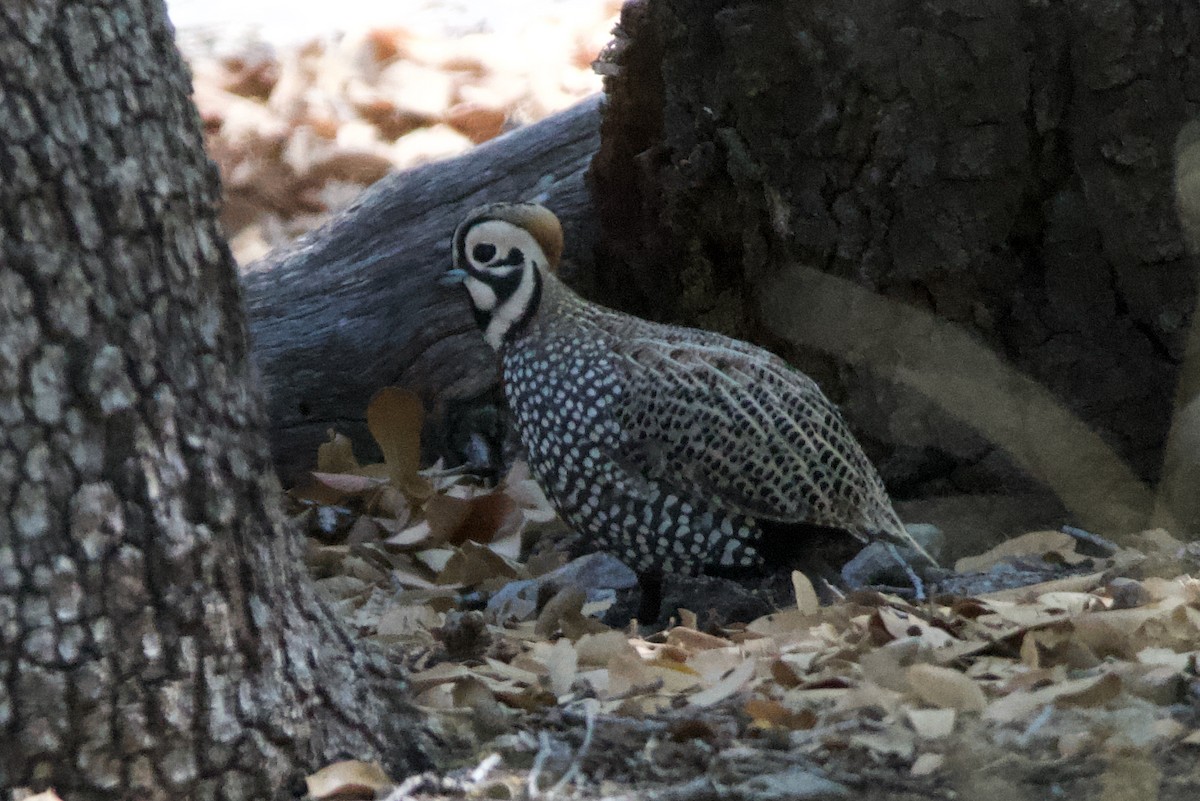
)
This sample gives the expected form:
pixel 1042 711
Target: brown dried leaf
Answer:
pixel 347 484
pixel 1021 705
pixel 315 492
pixel 521 487
pixel 598 649
pixel 359 568
pixel 713 664
pixel 946 688
pixel 692 640
pixel 336 455
pixel 529 699
pixel 509 545
pixel 734 681
pixel 435 559
pixel 927 764
pixel 931 724
pixel 627 673
pixel 364 530
pixel 403 621
pixel 1070 584
pixel 1035 542
pixel 473 564
pixel 417 534
pixel 347 781
pixel 394 417
pixel 766 713
pixel 565 603
pixel 1100 691
pixel 806 597
pixel 900 624
pixel 893 742
pixel 1119 632
pixel 514 672
pixel 338 588
pixel 785 674
pixel 482 518
pixel 392 503
pixel 561 661
pixel 781 625
pixel 408 577
pixel 444 673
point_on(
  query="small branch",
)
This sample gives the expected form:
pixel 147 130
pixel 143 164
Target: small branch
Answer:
pixel 1093 544
pixel 589 707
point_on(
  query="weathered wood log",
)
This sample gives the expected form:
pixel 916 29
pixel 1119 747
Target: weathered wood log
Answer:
pixel 355 305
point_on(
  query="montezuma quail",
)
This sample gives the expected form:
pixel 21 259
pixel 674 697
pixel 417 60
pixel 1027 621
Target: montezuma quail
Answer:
pixel 675 449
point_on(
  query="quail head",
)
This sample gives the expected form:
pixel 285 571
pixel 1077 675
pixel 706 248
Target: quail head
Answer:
pixel 675 449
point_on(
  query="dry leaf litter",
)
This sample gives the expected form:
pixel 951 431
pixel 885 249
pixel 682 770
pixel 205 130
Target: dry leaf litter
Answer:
pixel 1102 664
pixel 298 132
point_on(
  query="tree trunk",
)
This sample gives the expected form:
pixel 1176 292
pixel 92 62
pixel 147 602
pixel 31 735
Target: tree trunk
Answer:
pixel 158 637
pixel 1001 172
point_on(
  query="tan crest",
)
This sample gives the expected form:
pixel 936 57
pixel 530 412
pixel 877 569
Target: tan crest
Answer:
pixel 538 220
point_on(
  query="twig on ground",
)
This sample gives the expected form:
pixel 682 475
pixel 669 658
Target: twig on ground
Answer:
pixel 424 783
pixel 1100 545
pixel 539 761
pixel 590 707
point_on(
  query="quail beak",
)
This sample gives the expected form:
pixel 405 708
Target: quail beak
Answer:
pixel 452 277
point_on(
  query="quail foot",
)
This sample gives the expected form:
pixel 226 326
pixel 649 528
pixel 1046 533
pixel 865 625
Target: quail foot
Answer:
pixel 677 450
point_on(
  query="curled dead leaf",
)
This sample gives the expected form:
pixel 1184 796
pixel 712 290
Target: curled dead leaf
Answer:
pixel 931 724
pixel 482 518
pixel 473 564
pixel 946 688
pixel 807 602
pixel 767 713
pixel 528 699
pixel 1033 543
pixel 336 455
pixel 347 781
pixel 900 625
pixel 927 764
pixel 394 418
pixel 734 681
pixel 691 640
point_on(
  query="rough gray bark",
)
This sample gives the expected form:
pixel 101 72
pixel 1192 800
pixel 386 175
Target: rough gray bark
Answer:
pixel 1002 169
pixel 158 637
pixel 356 306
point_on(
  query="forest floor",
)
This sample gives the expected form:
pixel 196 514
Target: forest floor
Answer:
pixel 1055 665
pixel 1049 667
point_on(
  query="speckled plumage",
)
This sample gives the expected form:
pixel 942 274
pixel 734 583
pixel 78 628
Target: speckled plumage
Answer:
pixel 671 447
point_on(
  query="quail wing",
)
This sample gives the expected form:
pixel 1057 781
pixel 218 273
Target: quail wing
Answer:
pixel 732 423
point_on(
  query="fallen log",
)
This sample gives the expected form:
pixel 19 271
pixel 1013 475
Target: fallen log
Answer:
pixel 355 305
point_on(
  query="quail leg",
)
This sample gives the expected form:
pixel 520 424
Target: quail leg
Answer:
pixel 650 606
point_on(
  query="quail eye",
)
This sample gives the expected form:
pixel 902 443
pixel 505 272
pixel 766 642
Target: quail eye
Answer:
pixel 483 252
